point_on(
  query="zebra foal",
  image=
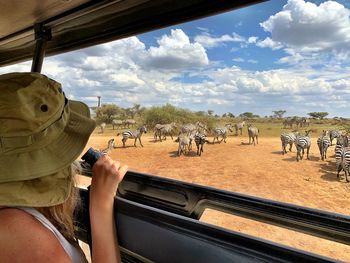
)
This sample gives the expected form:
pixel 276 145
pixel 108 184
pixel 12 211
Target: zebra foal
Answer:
pixel 110 147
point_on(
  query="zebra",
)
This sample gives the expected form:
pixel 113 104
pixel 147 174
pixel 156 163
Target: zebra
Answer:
pixel 201 127
pixel 342 155
pixel 117 123
pixel 134 135
pixel 253 133
pixel 323 143
pixel 222 131
pixel 129 122
pixel 288 138
pixel 239 126
pixel 302 143
pixel 102 127
pixel 164 130
pixel 187 128
pixel 184 143
pixel 333 134
pixel 200 140
pixel 110 147
pixel 305 122
pixel 289 121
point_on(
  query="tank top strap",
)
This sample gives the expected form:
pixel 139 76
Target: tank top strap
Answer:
pixel 74 253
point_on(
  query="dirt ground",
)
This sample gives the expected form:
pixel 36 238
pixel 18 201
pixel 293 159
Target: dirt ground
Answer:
pixel 259 171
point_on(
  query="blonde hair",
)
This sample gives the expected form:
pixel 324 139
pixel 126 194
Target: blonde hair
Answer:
pixel 61 216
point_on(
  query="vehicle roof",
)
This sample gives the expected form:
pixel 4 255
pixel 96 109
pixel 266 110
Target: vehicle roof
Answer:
pixel 76 24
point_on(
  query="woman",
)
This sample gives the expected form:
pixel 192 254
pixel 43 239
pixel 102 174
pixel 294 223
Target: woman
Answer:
pixel 41 135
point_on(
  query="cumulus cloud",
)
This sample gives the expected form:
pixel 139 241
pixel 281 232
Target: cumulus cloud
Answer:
pixel 126 72
pixel 209 41
pixel 308 27
pixel 174 52
pixel 252 40
pixel 269 43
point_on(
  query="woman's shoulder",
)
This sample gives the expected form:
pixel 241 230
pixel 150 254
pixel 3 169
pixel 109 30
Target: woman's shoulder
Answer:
pixel 25 238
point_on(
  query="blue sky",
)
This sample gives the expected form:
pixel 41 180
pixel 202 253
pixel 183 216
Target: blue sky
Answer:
pixel 290 55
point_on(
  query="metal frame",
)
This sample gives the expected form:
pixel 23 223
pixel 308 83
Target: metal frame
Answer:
pixel 42 35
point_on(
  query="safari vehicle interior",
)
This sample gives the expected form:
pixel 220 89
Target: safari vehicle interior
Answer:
pixel 158 217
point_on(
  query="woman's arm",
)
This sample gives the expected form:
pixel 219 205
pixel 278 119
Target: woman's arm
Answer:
pixel 107 174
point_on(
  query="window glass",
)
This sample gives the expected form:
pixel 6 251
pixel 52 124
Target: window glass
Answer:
pixel 281 66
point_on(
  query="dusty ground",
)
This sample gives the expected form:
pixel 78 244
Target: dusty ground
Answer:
pixel 260 171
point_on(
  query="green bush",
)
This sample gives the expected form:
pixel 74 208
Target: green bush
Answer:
pixel 169 113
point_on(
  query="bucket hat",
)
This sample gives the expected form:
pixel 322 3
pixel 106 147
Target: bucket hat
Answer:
pixel 41 134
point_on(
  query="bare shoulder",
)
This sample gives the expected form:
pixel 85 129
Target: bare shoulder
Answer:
pixel 25 239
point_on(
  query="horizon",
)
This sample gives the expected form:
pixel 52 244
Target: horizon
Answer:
pixel 278 55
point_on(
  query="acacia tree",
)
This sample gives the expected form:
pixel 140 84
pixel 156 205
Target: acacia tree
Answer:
pixel 106 112
pixel 246 115
pixel 318 114
pixel 278 113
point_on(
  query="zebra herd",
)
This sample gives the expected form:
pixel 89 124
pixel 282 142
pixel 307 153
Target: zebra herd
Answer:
pixel 118 124
pixel 198 133
pixel 324 141
pixel 188 133
pixel 298 121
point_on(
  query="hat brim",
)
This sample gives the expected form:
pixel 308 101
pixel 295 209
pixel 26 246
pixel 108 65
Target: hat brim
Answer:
pixel 45 191
pixel 44 171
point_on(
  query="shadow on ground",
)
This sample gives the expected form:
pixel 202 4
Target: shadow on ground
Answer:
pixel 189 154
pixel 328 171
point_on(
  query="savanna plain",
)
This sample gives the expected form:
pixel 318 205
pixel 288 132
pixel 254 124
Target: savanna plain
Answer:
pixel 259 170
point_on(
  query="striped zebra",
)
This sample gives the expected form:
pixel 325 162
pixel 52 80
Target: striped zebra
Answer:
pixel 222 132
pixel 134 135
pixel 110 147
pixel 200 140
pixel 323 142
pixel 239 126
pixel 303 142
pixel 333 134
pixel 164 130
pixel 201 127
pixel 288 138
pixel 184 143
pixel 129 122
pixel 253 133
pixel 289 121
pixel 342 155
pixel 187 128
pixel 117 123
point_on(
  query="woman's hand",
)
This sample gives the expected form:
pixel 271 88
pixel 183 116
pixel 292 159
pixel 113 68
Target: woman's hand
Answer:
pixel 107 174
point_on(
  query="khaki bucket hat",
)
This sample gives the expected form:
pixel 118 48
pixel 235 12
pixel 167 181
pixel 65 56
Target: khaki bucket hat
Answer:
pixel 41 134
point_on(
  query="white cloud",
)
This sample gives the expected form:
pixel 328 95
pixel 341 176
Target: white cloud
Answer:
pixel 269 43
pixel 209 41
pixel 126 72
pixel 252 40
pixel 174 52
pixel 308 27
pixel 253 61
pixel 238 60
